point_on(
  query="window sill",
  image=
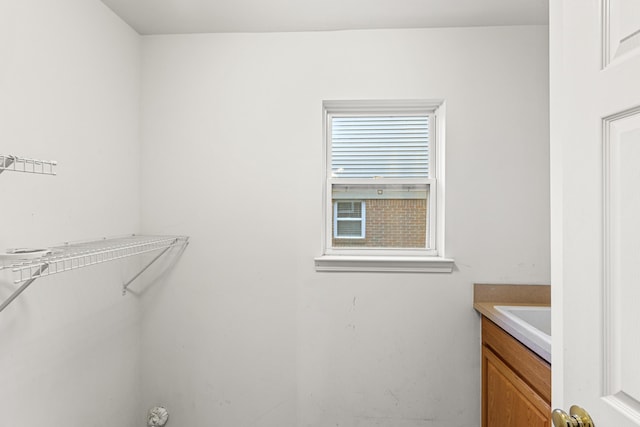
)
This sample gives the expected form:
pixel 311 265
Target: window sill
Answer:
pixel 389 264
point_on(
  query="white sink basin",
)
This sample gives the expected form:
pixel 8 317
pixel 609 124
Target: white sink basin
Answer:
pixel 533 316
pixel 532 324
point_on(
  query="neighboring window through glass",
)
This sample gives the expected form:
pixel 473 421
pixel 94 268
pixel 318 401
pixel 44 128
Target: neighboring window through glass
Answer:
pixel 349 220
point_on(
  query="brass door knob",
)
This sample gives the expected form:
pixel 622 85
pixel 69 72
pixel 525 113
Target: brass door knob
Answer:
pixel 577 417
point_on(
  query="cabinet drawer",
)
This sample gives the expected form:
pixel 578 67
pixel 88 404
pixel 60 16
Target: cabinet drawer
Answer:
pixel 534 370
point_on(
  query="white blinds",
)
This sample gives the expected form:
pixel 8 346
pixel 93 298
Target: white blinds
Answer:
pixel 380 146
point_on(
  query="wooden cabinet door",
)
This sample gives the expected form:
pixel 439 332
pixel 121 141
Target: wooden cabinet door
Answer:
pixel 507 400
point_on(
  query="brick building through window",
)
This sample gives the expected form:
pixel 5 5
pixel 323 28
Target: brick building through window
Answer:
pixel 391 223
pixel 380 215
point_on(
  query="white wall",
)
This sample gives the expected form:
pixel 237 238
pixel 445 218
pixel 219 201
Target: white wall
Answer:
pixel 244 332
pixel 69 91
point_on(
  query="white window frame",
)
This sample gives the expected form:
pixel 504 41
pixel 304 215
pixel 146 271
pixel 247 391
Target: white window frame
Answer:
pixel 429 259
pixel 362 219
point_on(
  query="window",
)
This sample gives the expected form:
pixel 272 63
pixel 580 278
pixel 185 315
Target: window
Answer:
pixel 348 219
pixel 381 186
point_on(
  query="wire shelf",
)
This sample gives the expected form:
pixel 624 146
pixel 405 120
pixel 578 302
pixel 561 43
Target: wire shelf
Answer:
pixel 78 255
pixel 27 165
pixel 30 265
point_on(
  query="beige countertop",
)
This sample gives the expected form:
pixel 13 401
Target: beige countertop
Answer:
pixel 487 296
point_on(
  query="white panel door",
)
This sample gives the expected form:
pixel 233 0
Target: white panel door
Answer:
pixel 595 167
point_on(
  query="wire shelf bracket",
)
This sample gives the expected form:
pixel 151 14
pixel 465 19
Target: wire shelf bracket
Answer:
pixel 73 256
pixel 27 165
pixel 21 289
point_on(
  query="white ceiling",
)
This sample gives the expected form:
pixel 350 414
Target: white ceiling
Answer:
pixel 215 16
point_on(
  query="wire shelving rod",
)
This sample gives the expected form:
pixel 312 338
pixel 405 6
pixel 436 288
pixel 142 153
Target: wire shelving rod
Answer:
pixel 27 165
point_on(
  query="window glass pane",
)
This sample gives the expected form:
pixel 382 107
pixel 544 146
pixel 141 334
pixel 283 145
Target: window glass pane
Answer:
pixel 349 209
pixel 349 228
pixel 380 146
pixel 395 215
